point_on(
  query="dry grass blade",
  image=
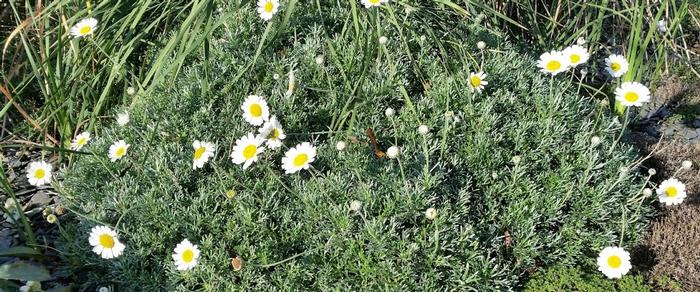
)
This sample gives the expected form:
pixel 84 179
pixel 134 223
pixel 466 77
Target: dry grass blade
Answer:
pixel 35 125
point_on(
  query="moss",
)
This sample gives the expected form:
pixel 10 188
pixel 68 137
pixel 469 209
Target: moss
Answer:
pixel 561 278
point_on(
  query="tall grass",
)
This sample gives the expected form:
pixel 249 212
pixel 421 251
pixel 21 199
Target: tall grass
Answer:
pixel 61 86
pixel 628 26
pixel 66 85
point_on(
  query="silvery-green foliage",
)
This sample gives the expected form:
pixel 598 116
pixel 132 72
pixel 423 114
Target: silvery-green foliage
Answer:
pixel 497 220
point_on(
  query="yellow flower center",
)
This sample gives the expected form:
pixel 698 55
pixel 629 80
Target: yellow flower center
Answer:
pixel 614 262
pixel 374 1
pixel 39 173
pixel 268 7
pixel 106 241
pixel 631 96
pixel 120 152
pixel 475 80
pixel 85 30
pixel 249 151
pixel 199 152
pixel 82 141
pixel 553 65
pixel 255 110
pixel 575 58
pixel 230 194
pixel 275 134
pixel 671 192
pixel 187 256
pixel 300 160
pixel 615 67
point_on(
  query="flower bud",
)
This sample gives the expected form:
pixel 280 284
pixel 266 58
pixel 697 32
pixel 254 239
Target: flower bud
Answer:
pixel 355 205
pixel 392 152
pixel 51 218
pixel 389 112
pixel 423 129
pixel 687 164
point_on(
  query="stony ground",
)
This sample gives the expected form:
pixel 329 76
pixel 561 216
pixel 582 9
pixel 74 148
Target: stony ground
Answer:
pixel 670 247
pixel 675 113
pixel 33 200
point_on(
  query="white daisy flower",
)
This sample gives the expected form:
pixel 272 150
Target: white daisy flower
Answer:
pixel 247 149
pixel 553 62
pixel 186 255
pixel 123 118
pixel 340 146
pixel 481 45
pixel 255 110
pixel 577 55
pixel 614 262
pixel 272 132
pixel 39 173
pixel 372 3
pixel 291 84
pixel 80 141
pixel 632 94
pixel 84 27
pixel 202 151
pixel 268 8
pixel 105 242
pixel 616 65
pixel 299 157
pixel 671 192
pixel 477 81
pixel 118 150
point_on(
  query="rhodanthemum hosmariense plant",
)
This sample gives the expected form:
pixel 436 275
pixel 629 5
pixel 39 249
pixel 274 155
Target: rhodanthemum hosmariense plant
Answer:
pixel 467 189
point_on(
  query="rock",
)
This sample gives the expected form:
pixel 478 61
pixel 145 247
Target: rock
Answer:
pixel 696 124
pixel 40 199
pixel 651 131
pixel 6 238
pixel 668 132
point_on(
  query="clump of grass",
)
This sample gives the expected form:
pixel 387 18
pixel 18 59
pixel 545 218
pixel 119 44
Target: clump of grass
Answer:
pixel 62 85
pixel 513 176
pixel 629 26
